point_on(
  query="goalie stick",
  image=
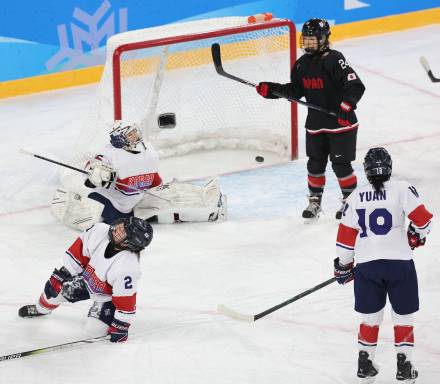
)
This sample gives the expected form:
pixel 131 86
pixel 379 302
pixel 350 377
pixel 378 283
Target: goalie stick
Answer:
pixel 251 318
pixel 18 355
pixel 86 173
pixel 217 59
pixel 428 70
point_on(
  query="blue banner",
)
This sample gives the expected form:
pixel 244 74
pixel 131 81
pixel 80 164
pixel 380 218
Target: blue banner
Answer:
pixel 51 36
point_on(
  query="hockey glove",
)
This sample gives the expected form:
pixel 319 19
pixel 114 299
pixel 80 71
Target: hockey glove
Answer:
pixel 414 239
pixel 118 331
pixel 75 290
pixel 55 283
pixel 101 173
pixel 345 114
pixel 266 90
pixel 343 273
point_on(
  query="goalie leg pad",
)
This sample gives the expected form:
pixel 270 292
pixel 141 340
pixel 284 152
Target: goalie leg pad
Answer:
pixel 75 210
pixel 184 202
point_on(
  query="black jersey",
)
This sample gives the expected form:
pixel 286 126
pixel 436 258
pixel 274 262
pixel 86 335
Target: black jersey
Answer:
pixel 324 80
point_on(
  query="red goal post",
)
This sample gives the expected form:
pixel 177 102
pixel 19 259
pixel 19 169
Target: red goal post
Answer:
pixel 132 61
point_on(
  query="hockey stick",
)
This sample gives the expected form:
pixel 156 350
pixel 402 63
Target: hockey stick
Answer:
pixel 53 161
pixel 86 173
pixel 52 348
pixel 427 68
pixel 251 318
pixel 217 58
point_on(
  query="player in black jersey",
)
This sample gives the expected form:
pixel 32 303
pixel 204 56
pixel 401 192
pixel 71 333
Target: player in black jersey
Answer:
pixel 325 79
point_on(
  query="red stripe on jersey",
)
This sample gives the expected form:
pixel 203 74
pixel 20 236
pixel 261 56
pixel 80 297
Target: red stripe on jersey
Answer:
pixel 141 182
pixel 157 180
pixel 44 303
pixel 368 334
pixel 125 303
pixel 76 251
pixel 318 181
pixel 420 216
pixel 403 334
pixel 347 181
pixel 346 235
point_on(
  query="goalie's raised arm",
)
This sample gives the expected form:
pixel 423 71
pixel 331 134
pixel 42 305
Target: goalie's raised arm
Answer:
pixel 100 172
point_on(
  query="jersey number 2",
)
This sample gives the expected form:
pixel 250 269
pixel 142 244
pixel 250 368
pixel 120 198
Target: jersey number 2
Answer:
pixel 378 227
pixel 128 284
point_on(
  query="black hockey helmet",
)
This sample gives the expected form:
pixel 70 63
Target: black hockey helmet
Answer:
pixel 139 234
pixel 318 28
pixel 378 162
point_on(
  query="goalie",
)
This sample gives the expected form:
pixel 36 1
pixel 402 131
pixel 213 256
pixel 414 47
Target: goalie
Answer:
pixel 123 181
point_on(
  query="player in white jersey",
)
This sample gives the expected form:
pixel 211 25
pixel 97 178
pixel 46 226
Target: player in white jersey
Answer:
pixel 101 265
pixel 373 231
pixel 125 181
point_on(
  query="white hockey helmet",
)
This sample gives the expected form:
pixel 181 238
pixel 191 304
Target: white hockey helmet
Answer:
pixel 125 135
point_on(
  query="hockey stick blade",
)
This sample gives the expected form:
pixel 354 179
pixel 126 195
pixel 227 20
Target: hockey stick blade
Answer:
pixel 234 314
pixel 217 59
pixel 251 318
pixel 428 70
pixel 38 351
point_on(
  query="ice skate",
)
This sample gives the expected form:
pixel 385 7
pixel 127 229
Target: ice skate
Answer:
pixel 340 211
pixel 405 370
pixel 367 371
pixel 29 311
pixel 313 210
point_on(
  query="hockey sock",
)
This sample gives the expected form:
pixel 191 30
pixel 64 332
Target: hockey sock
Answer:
pixel 367 338
pixel 316 183
pixel 404 339
pixel 347 184
pixel 45 305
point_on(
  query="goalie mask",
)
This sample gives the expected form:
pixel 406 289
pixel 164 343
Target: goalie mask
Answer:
pixel 315 36
pixel 125 135
pixel 131 233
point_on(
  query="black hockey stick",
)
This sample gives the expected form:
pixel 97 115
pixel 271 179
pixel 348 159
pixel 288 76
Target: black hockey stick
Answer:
pixel 53 161
pixel 251 318
pixel 13 356
pixel 428 70
pixel 217 58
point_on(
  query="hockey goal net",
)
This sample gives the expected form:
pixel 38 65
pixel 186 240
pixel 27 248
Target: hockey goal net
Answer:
pixel 170 69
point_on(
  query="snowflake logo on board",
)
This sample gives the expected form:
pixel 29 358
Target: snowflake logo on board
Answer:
pixel 99 27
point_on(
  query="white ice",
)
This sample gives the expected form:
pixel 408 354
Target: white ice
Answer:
pixel 261 256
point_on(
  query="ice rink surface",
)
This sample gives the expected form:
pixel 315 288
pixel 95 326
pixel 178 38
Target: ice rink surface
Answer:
pixel 261 256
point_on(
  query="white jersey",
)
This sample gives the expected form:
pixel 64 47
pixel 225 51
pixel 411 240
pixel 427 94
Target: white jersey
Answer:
pixel 373 223
pixel 137 170
pixel 107 278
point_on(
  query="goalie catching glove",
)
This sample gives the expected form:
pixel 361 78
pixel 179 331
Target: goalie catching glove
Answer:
pixel 101 173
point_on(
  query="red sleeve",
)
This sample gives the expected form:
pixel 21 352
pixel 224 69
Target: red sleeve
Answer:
pixel 125 303
pixel 346 236
pixel 76 253
pixel 420 216
pixel 157 180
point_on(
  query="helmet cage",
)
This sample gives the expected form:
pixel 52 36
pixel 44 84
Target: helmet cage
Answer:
pixel 318 28
pixel 139 234
pixel 120 136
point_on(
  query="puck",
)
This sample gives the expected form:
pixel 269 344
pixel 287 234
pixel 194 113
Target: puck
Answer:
pixel 260 159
